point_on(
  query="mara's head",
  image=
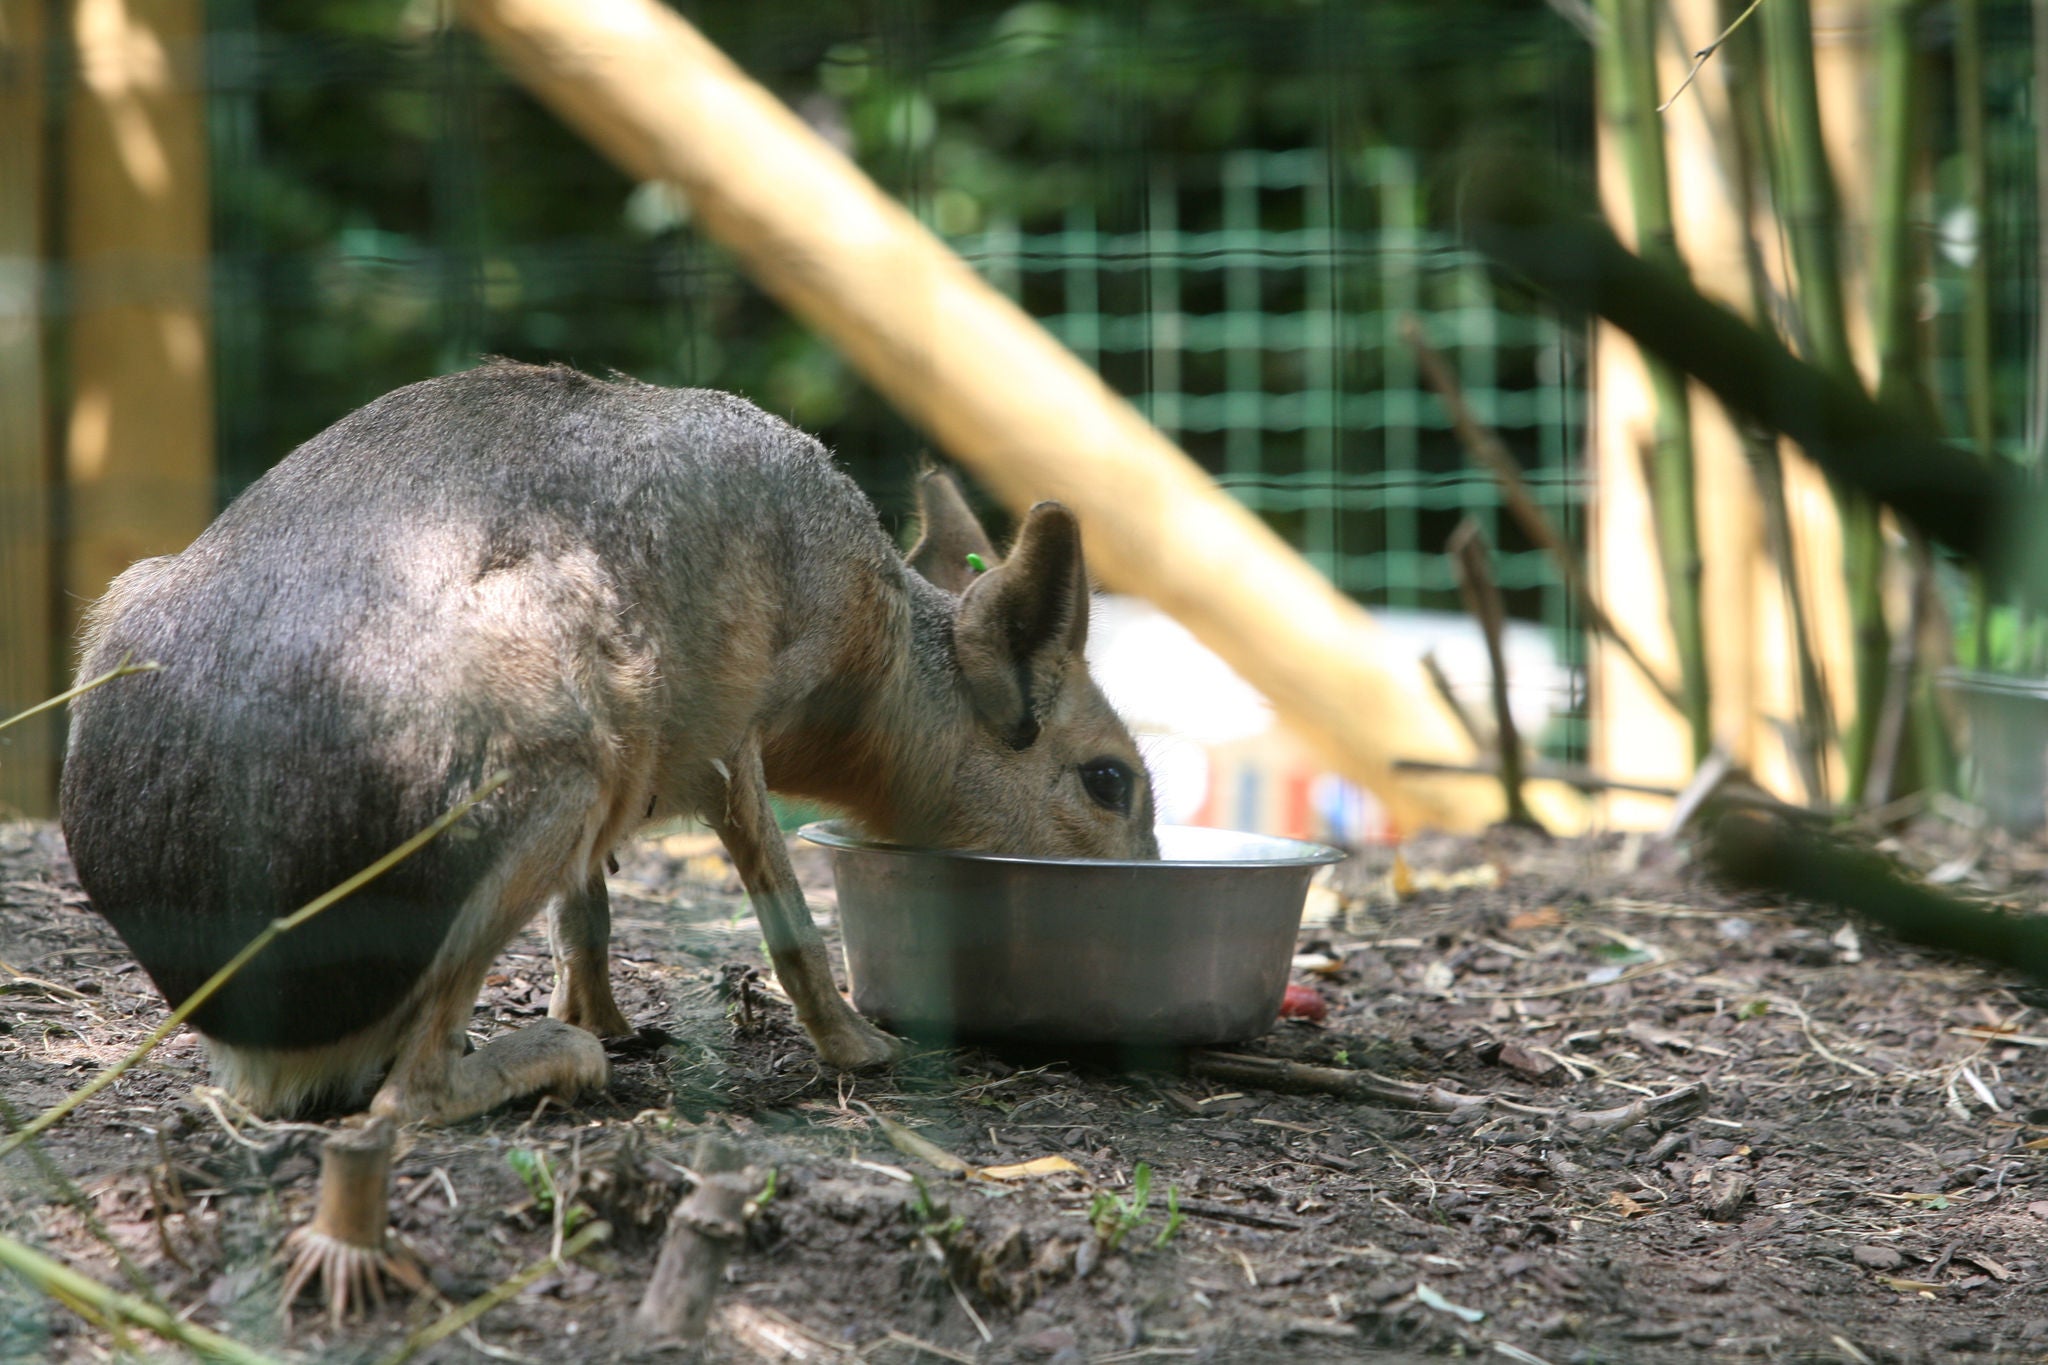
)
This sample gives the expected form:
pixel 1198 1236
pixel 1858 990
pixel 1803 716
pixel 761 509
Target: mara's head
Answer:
pixel 1044 765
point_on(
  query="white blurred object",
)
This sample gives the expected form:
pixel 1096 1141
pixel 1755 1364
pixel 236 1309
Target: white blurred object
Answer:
pixel 1217 753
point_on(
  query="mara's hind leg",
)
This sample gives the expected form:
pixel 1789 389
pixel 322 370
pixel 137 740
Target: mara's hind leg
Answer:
pixel 580 931
pixel 747 827
pixel 432 1080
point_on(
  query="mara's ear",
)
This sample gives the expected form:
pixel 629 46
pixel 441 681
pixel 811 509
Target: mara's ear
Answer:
pixel 1022 622
pixel 946 534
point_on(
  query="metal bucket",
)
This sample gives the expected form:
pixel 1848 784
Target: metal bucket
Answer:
pixel 2008 720
pixel 1190 950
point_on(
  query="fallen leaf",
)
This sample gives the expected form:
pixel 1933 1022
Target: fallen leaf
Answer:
pixel 1625 1206
pixel 1322 906
pixel 1531 1064
pixel 1546 917
pixel 1400 878
pixel 1037 1166
pixel 1426 1295
pixel 1484 875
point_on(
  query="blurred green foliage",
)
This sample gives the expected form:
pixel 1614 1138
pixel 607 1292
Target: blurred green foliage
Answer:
pixel 389 205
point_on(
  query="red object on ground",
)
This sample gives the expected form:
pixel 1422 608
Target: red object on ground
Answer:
pixel 1303 1002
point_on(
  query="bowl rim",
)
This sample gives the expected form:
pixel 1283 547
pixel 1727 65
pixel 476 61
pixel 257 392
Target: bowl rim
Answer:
pixel 834 834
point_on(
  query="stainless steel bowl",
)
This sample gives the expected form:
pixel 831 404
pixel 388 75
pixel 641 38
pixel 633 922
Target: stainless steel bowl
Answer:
pixel 1190 950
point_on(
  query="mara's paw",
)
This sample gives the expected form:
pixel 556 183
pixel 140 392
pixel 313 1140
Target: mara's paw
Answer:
pixel 546 1057
pixel 851 1043
pixel 600 1017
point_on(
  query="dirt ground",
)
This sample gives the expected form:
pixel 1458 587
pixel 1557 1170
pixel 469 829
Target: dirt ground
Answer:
pixel 1863 1181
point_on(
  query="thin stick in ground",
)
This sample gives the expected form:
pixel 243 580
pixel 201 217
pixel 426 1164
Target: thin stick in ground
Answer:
pixel 1467 549
pixel 1888 740
pixel 1491 454
pixel 1441 685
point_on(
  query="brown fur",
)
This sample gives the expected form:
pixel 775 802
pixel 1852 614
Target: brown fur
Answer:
pixel 636 600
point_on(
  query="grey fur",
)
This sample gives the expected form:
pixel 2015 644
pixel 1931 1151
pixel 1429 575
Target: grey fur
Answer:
pixel 624 594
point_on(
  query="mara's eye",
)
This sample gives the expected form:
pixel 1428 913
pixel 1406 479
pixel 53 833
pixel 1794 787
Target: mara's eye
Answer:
pixel 1109 784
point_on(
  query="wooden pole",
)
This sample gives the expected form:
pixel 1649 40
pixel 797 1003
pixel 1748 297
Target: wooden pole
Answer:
pixel 138 441
pixel 29 669
pixel 989 384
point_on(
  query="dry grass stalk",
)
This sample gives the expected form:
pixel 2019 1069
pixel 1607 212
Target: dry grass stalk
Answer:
pixel 121 670
pixel 58 1112
pixel 445 1327
pixel 109 1309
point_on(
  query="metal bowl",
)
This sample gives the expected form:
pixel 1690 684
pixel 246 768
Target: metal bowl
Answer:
pixel 1190 950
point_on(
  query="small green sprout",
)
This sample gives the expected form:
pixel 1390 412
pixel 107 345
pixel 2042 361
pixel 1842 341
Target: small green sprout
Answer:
pixel 537 1172
pixel 1174 1218
pixel 977 563
pixel 1116 1216
pixel 762 1199
pixel 930 1215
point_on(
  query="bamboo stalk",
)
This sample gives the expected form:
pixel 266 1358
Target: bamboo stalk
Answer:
pixel 1809 211
pixel 1990 513
pixel 1889 738
pixel 1814 722
pixel 1974 154
pixel 1910 736
pixel 2037 405
pixel 109 1308
pixel 29 633
pixel 1895 273
pixel 1627 75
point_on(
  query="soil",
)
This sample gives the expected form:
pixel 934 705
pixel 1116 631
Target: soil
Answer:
pixel 1861 1178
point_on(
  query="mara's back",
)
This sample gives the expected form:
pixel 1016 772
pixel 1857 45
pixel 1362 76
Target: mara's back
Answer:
pixel 514 567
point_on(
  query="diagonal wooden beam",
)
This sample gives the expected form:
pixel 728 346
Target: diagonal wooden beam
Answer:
pixel 989 383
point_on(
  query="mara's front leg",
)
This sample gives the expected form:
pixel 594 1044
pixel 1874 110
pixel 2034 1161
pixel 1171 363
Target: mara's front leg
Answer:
pixel 747 827
pixel 580 933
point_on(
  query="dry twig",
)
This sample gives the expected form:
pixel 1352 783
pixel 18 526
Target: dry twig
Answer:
pixel 1273 1073
pixel 1700 58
